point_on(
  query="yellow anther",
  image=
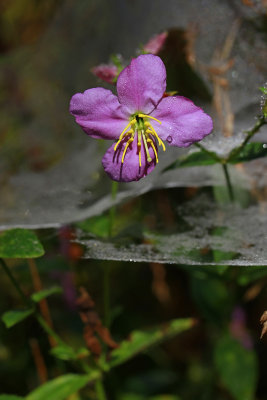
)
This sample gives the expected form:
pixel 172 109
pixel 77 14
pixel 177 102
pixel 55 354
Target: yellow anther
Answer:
pixel 149 159
pixel 152 131
pixel 125 129
pixel 148 116
pixel 124 133
pixel 150 141
pixel 126 147
pixel 139 146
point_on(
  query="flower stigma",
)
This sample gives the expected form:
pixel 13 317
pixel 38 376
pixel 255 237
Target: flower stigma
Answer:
pixel 145 133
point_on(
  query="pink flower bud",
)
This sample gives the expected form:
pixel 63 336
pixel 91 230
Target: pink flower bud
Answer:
pixel 155 44
pixel 106 72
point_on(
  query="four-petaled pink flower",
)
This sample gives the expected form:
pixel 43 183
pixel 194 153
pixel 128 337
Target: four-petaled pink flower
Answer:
pixel 140 118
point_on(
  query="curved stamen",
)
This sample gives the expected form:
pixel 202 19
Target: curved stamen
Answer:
pixel 148 116
pixel 150 141
pixel 126 147
pixel 145 133
pixel 122 136
pixel 149 159
pixel 139 148
pixel 152 131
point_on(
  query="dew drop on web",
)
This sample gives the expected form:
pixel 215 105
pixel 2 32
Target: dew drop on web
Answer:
pixel 169 139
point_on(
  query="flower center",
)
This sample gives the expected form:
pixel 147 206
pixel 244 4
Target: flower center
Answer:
pixel 145 133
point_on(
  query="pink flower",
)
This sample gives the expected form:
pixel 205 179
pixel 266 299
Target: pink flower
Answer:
pixel 155 44
pixel 140 119
pixel 106 72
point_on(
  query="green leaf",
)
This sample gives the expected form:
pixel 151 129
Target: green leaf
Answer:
pixel 133 396
pixel 11 318
pixel 10 397
pixel 45 293
pixel 20 243
pixel 98 225
pixel 248 275
pixel 193 159
pixel 212 297
pixel 142 340
pixel 68 353
pixel 237 367
pixel 62 387
pixel 250 151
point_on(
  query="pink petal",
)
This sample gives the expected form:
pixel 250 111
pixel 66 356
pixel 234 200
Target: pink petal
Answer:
pixel 99 113
pixel 141 85
pixel 129 170
pixel 182 122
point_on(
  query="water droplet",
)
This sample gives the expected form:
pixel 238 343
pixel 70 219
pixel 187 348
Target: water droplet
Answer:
pixel 169 139
pixel 264 146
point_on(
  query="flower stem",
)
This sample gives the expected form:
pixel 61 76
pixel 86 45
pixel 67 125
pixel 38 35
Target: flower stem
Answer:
pixel 25 300
pixel 106 294
pixel 228 182
pixel 106 274
pixel 112 211
pixel 50 332
pixel 100 390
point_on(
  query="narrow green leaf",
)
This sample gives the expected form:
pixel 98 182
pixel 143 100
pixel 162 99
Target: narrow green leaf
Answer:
pixel 20 243
pixel 10 397
pixel 68 353
pixel 45 293
pixel 193 159
pixel 237 367
pixel 11 318
pixel 250 151
pixel 62 387
pixel 142 340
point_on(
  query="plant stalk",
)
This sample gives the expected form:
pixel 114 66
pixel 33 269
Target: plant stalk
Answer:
pixel 100 390
pixel 260 122
pixel 7 270
pixel 31 304
pixel 112 211
pixel 228 182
